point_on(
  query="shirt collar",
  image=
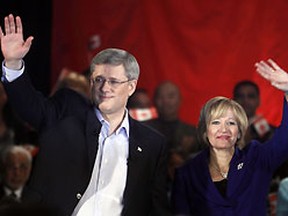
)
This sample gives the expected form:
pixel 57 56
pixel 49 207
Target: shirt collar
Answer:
pixel 124 124
pixel 18 192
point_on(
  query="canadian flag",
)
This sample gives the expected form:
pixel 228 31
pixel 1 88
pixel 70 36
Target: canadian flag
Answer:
pixel 261 125
pixel 143 114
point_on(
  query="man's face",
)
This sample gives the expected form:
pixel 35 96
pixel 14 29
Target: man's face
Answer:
pixel 17 170
pixel 110 89
pixel 248 98
pixel 168 101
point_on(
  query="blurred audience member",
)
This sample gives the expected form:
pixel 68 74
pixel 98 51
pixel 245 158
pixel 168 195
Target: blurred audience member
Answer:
pixel 175 160
pixel 140 106
pixel 93 47
pixel 139 100
pixel 16 165
pixel 180 135
pixel 247 94
pixel 282 198
pixel 73 80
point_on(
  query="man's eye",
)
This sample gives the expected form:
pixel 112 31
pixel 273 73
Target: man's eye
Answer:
pixel 99 79
pixel 252 96
pixel 113 82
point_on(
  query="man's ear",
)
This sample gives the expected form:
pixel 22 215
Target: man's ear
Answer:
pixel 132 86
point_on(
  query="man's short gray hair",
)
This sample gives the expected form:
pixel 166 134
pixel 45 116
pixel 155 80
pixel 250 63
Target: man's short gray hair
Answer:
pixel 115 57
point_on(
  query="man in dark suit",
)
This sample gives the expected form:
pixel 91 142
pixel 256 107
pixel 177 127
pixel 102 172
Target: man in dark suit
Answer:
pixel 93 158
pixel 16 164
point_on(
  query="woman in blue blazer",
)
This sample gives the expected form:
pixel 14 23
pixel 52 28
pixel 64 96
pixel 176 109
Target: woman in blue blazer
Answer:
pixel 222 179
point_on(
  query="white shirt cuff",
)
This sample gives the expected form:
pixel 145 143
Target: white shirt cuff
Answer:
pixel 9 74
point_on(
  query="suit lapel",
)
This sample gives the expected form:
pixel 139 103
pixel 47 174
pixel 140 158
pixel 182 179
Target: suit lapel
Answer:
pixel 135 159
pixel 2 193
pixel 93 127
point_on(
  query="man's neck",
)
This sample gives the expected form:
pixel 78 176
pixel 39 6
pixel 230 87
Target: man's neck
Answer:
pixel 114 120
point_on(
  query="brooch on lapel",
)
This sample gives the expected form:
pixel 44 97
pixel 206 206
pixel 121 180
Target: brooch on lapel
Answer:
pixel 240 166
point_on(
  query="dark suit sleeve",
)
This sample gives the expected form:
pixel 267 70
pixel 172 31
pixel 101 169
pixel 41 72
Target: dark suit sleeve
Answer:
pixel 27 102
pixel 35 108
pixel 160 198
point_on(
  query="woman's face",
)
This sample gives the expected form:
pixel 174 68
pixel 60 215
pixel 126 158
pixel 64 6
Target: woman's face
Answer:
pixel 223 132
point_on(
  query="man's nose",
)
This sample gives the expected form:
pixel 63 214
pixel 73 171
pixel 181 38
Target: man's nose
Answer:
pixel 105 85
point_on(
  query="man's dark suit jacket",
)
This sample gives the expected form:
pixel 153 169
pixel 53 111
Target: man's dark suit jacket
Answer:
pixel 69 132
pixel 28 196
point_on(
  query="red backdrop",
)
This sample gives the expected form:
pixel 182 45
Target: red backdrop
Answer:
pixel 204 46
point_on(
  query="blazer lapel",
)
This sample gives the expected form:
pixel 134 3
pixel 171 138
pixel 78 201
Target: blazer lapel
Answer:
pixel 205 182
pixel 236 181
pixel 206 185
pixel 238 170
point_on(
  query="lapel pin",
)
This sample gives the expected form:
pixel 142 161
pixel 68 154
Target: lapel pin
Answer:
pixel 139 149
pixel 240 166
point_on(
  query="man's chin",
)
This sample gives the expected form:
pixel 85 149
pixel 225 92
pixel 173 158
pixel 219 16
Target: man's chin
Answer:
pixel 15 186
pixel 104 109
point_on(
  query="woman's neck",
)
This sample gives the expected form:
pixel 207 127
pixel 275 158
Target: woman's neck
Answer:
pixel 221 158
pixel 219 163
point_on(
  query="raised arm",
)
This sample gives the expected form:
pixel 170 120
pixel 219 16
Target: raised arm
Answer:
pixel 274 74
pixel 275 152
pixel 13 46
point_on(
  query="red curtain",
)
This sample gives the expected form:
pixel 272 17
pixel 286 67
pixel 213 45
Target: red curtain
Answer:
pixel 204 46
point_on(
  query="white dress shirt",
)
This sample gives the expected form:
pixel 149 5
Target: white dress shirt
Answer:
pixel 17 192
pixel 104 194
